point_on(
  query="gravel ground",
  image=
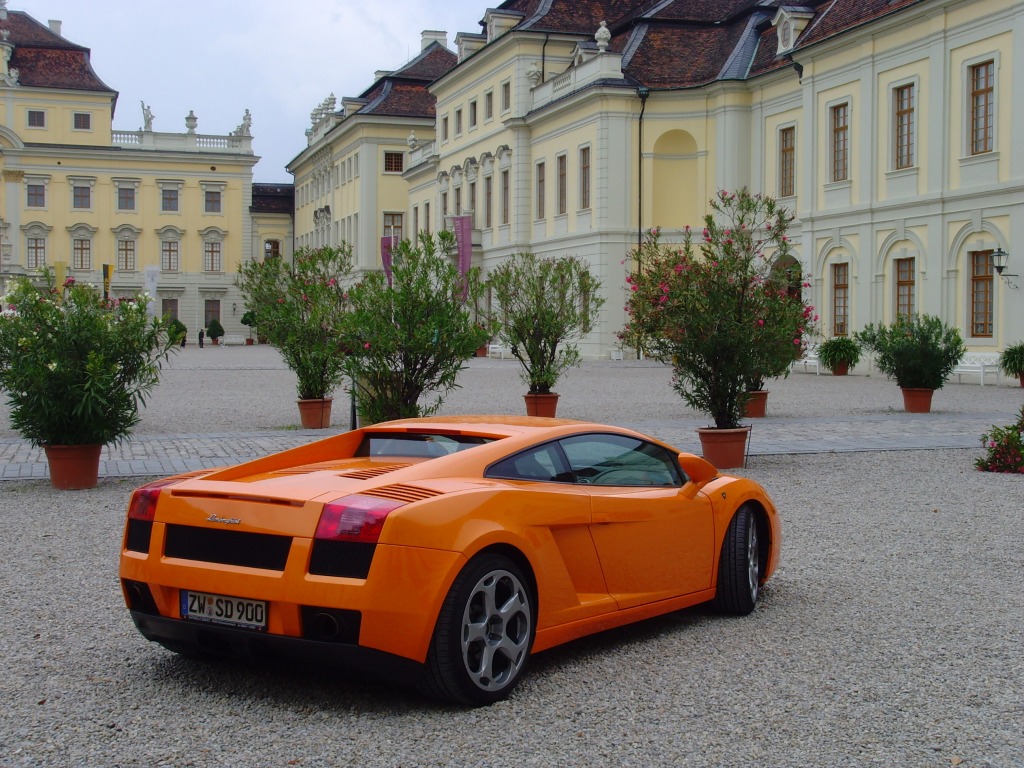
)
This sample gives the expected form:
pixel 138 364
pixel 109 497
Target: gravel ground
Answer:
pixel 890 636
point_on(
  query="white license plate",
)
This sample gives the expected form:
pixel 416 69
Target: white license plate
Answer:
pixel 221 609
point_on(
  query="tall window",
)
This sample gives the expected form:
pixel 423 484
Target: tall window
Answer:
pixel 840 142
pixel 169 255
pixel 169 200
pixel 444 128
pixel 905 287
pixel 488 105
pixel 472 114
pixel 36 196
pixel 540 190
pixel 982 106
pixel 787 162
pixel 488 200
pixel 981 293
pixel 271 249
pixel 415 220
pixel 213 201
pixel 904 98
pixel 584 178
pixel 211 310
pixel 36 247
pixel 81 197
pixel 211 256
pixel 506 97
pixel 126 255
pixel 444 204
pixel 458 201
pixel 840 299
pixel 393 226
pixel 81 253
pixel 426 216
pixel 472 202
pixel 458 122
pixel 126 198
pixel 562 184
pixel 394 162
pixel 504 197
pixel 169 308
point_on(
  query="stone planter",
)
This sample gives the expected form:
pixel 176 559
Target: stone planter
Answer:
pixel 73 467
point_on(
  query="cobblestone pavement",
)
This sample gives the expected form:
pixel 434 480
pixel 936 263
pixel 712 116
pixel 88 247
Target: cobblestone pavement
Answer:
pixel 218 407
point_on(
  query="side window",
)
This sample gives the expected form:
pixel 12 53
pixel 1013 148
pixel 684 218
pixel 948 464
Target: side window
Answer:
pixel 620 460
pixel 544 463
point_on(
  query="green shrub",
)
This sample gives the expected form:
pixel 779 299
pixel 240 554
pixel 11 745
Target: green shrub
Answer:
pixel 919 351
pixel 214 329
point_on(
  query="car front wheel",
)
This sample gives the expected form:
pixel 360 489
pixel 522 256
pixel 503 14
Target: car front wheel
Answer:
pixel 483 635
pixel 739 569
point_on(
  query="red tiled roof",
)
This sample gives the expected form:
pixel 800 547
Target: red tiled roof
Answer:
pixel 672 56
pixel 400 99
pixel 46 60
pixel 435 61
pixel 839 16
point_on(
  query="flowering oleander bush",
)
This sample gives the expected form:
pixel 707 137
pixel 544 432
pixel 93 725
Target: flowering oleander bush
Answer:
pixel 76 366
pixel 1004 448
pixel 721 311
pixel 411 335
pixel 300 309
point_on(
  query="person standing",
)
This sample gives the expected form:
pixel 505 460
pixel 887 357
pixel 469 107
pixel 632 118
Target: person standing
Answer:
pixel 202 335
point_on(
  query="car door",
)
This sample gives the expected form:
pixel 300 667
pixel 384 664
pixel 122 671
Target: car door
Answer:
pixel 653 540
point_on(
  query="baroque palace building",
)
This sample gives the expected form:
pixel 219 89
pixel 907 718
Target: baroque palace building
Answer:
pixel 891 128
pixel 170 213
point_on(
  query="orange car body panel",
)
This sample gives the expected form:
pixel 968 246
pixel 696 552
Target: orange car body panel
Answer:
pixel 599 556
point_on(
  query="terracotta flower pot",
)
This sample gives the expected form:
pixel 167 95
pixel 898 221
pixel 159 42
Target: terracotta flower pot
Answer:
pixel 541 405
pixel 917 400
pixel 841 369
pixel 724 448
pixel 315 413
pixel 73 467
pixel 757 405
pixel 248 342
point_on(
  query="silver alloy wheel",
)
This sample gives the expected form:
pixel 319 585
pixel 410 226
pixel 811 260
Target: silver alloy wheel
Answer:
pixel 496 630
pixel 753 561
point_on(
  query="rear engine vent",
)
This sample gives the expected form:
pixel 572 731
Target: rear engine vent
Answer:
pixel 367 474
pixel 137 537
pixel 343 559
pixel 212 545
pixel 398 492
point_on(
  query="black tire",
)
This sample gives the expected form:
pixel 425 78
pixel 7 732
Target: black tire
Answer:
pixel 739 570
pixel 483 635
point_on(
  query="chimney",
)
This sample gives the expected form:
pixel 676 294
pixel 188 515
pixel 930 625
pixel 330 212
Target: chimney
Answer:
pixel 434 36
pixel 55 26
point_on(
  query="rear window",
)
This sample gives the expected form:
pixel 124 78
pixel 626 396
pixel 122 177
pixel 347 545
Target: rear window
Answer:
pixel 418 444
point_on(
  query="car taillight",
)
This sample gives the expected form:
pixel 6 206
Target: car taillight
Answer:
pixel 355 518
pixel 143 503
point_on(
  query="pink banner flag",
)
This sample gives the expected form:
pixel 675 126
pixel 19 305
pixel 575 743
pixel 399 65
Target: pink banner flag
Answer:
pixel 464 241
pixel 385 256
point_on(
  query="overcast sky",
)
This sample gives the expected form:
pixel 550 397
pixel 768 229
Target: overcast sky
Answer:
pixel 220 57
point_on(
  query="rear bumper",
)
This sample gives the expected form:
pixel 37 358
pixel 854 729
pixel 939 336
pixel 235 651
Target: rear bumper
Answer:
pixel 199 638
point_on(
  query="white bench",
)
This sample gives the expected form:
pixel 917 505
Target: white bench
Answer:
pixel 978 363
pixel 810 357
pixel 498 351
pixel 226 340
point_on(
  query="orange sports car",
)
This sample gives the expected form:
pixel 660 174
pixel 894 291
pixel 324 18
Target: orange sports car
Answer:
pixel 441 551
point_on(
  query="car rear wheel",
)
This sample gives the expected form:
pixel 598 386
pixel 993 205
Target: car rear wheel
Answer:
pixel 739 570
pixel 483 635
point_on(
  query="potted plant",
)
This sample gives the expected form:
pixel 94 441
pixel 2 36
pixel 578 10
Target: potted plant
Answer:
pixel 919 351
pixel 215 331
pixel 249 321
pixel 839 354
pixel 721 313
pixel 1011 361
pixel 300 308
pixel 176 329
pixel 410 333
pixel 544 304
pixel 76 367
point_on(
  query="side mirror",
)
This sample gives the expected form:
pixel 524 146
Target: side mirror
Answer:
pixel 696 468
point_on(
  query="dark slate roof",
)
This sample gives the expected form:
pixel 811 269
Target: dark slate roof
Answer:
pixel 273 198
pixel 46 60
pixel 838 16
pixel 403 93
